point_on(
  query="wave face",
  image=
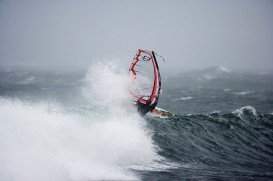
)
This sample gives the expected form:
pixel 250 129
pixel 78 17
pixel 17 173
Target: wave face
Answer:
pixel 235 145
pixel 81 126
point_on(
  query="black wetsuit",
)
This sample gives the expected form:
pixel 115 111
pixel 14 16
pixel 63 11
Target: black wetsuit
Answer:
pixel 143 109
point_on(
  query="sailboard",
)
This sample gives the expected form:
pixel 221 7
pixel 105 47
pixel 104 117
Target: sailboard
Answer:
pixel 146 81
pixel 160 113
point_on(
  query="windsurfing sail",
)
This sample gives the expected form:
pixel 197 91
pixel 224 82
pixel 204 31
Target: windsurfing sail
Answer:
pixel 146 81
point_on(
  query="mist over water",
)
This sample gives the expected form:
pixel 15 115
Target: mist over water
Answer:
pixel 49 140
pixel 107 85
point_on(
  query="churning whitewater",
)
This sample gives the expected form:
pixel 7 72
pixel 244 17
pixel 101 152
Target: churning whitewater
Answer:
pixel 82 126
pixel 43 140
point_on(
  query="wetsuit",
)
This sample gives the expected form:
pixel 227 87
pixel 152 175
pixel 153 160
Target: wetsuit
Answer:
pixel 143 109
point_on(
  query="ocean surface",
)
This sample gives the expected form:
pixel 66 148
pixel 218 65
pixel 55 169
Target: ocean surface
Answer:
pixel 82 126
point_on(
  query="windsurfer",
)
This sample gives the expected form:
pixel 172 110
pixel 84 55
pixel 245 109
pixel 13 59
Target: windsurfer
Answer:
pixel 146 76
pixel 144 108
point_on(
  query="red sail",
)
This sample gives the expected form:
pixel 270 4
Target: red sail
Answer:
pixel 146 80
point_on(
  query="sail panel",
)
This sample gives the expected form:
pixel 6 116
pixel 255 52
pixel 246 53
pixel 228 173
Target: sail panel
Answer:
pixel 146 81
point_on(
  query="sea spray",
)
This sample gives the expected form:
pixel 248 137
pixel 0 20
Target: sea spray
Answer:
pixel 50 130
pixel 107 86
pixel 40 142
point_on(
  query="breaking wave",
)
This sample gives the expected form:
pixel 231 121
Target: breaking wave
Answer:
pixel 45 141
pixel 83 127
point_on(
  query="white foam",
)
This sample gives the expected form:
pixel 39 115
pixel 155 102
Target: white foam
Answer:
pixel 29 80
pixel 240 112
pixel 215 112
pixel 40 142
pixel 157 166
pixel 223 69
pixel 185 98
pixel 209 77
pixel 242 93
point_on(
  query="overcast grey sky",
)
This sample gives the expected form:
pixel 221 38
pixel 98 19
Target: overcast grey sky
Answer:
pixel 70 34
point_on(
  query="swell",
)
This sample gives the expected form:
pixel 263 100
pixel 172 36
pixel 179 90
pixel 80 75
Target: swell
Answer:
pixel 240 142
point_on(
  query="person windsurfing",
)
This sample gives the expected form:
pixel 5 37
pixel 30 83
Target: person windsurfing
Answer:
pixel 146 80
pixel 144 108
pixel 145 86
